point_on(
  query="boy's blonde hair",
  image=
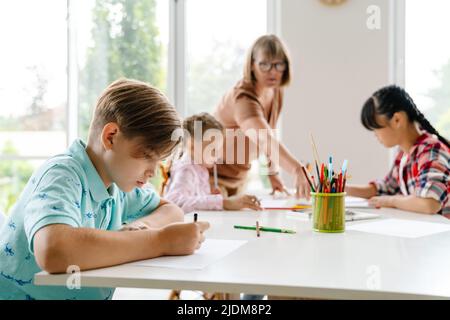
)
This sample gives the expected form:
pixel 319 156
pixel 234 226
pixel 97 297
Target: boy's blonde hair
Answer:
pixel 272 48
pixel 141 111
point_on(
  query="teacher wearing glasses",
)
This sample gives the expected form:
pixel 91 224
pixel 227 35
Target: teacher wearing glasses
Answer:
pixel 250 110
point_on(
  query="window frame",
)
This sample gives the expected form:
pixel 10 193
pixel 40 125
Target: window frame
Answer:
pixel 397 29
pixel 177 47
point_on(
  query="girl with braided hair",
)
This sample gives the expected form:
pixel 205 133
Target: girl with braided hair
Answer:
pixel 419 178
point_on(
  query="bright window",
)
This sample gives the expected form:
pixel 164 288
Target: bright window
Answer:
pixel 119 38
pixel 33 90
pixel 58 56
pixel 427 64
pixel 218 34
pixel 216 46
pixel 33 77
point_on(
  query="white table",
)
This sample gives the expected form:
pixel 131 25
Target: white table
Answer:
pixel 352 265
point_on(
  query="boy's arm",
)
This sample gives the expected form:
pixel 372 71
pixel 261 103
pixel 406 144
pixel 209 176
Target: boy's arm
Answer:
pixel 407 203
pixel 164 214
pixel 58 246
pixel 362 191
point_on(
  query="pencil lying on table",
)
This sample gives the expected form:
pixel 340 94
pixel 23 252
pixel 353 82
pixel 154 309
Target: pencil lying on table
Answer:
pixel 266 229
pixel 296 207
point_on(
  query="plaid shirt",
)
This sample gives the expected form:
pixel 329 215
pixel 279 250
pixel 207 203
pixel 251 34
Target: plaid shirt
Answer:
pixel 425 174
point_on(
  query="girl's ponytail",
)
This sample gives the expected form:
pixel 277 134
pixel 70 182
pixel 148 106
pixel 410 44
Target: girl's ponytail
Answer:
pixel 424 123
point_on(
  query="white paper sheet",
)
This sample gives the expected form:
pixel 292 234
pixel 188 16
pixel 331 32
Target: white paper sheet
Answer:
pixel 354 202
pixel 352 215
pixel 211 251
pixel 401 228
pixel 275 203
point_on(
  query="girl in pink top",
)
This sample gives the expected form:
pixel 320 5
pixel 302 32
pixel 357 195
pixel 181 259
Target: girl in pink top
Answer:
pixel 189 185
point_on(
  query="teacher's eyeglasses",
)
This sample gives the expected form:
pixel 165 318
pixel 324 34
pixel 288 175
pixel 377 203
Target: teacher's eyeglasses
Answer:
pixel 267 66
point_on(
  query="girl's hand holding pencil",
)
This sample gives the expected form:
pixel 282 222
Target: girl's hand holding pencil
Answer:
pixel 215 191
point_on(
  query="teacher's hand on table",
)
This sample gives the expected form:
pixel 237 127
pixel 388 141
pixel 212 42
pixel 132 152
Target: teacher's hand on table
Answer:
pixel 301 185
pixel 277 185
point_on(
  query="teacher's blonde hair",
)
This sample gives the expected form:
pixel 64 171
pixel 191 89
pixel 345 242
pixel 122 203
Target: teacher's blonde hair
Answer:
pixel 272 48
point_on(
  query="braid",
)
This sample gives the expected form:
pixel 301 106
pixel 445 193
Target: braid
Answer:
pixel 426 125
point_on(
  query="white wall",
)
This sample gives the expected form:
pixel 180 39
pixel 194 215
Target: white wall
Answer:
pixel 338 63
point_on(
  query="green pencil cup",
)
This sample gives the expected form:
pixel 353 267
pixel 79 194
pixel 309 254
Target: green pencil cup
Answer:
pixel 328 212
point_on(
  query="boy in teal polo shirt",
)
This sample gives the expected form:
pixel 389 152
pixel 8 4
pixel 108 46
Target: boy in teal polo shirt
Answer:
pixel 72 212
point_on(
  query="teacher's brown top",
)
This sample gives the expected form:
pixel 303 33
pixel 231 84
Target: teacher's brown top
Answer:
pixel 231 114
